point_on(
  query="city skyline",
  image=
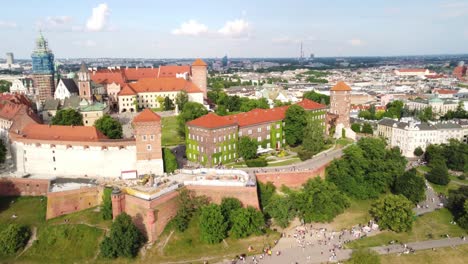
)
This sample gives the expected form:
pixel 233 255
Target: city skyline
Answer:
pixel 118 29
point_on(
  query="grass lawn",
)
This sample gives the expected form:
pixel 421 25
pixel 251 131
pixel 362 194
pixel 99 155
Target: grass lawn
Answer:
pixel 436 223
pixel 187 246
pixel 89 216
pixel 284 162
pixel 356 213
pixel 64 244
pixel 341 142
pixel 29 210
pixel 170 135
pixel 457 180
pixel 444 189
pixel 457 255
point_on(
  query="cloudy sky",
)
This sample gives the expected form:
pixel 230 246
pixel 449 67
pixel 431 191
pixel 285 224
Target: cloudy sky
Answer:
pixel 238 28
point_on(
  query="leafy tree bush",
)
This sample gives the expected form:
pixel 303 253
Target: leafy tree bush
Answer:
pixel 124 240
pixel 411 186
pixel 458 205
pixel 356 127
pixel 313 140
pixel 393 212
pixel 265 192
pixel 170 161
pixel 438 173
pixel 3 152
pixel 248 148
pixel 107 204
pixel 109 127
pixel 168 104
pixel 213 227
pixel 5 86
pixel 67 117
pixel 188 204
pixel 281 209
pixel 367 129
pixel 247 221
pixel 181 99
pixel 320 201
pixel 317 97
pixel 258 162
pixel 191 111
pixel 295 123
pixel 13 238
pixel 304 154
pixel 418 152
pixel 229 205
pixel 364 256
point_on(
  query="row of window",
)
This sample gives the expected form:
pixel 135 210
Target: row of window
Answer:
pixel 145 137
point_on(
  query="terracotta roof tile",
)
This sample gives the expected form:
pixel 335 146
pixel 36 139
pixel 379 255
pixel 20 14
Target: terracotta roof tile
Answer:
pixel 340 86
pixel 172 70
pixel 148 85
pixel 134 74
pixel 127 90
pixel 199 62
pixel 411 70
pixel 62 133
pixel 212 120
pixel 310 105
pixel 147 115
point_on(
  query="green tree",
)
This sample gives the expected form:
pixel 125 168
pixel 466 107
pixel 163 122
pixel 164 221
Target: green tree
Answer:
pixel 438 173
pixel 265 192
pixel 170 161
pixel 295 123
pixel 221 110
pixel 67 117
pixel 5 86
pixel 356 127
pixel 168 104
pixel 181 99
pixel 364 256
pixel 411 186
pixel 320 201
pixel 394 109
pixel 3 152
pixel 458 205
pixel 317 97
pixel 367 129
pixel 188 204
pixel 418 152
pixel 248 148
pixel 281 209
pixel 393 212
pixel 247 221
pixel 213 227
pixel 313 139
pixel 191 111
pixel 13 238
pixel 229 205
pixel 109 126
pixel 107 204
pixel 124 239
pixel 426 114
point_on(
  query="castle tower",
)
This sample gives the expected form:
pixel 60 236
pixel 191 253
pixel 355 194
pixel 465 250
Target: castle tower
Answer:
pixel 118 202
pixel 43 70
pixel 200 74
pixel 84 83
pixel 147 126
pixel 340 103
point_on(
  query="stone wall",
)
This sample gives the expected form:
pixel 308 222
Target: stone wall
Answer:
pixel 66 202
pixel 24 187
pixel 247 195
pixel 292 179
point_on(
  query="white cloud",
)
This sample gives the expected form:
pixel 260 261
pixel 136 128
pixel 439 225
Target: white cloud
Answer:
pixel 235 28
pixel 356 42
pixel 58 20
pixel 55 23
pixel 7 24
pixel 98 19
pixel 190 28
pixel 286 40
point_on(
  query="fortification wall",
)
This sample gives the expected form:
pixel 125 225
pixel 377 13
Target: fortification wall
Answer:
pixel 66 202
pixel 292 179
pixel 247 195
pixel 24 187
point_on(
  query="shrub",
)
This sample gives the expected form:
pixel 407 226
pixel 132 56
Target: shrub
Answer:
pixel 170 161
pixel 304 154
pixel 13 238
pixel 107 204
pixel 462 177
pixel 213 227
pixel 356 127
pixel 258 162
pixel 438 173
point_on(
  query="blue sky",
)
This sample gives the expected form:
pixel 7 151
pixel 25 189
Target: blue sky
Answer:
pixel 213 28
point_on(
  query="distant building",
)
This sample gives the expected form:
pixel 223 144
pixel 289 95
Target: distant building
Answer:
pixel 92 111
pixel 413 72
pixel 460 72
pixel 10 58
pixel 23 86
pixel 411 134
pixel 440 106
pixel 65 89
pixel 43 69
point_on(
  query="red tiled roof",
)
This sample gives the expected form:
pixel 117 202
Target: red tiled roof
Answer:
pixel 212 120
pixel 148 85
pixel 15 99
pixel 258 116
pixel 138 73
pixel 340 86
pixel 172 70
pixel 310 105
pixel 444 91
pixel 411 70
pixel 199 62
pixel 62 133
pixel 8 111
pixel 146 115
pixel 365 107
pixel 107 76
pixel 127 90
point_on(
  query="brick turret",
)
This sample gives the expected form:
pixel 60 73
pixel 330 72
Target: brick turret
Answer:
pixel 118 202
pixel 340 103
pixel 200 74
